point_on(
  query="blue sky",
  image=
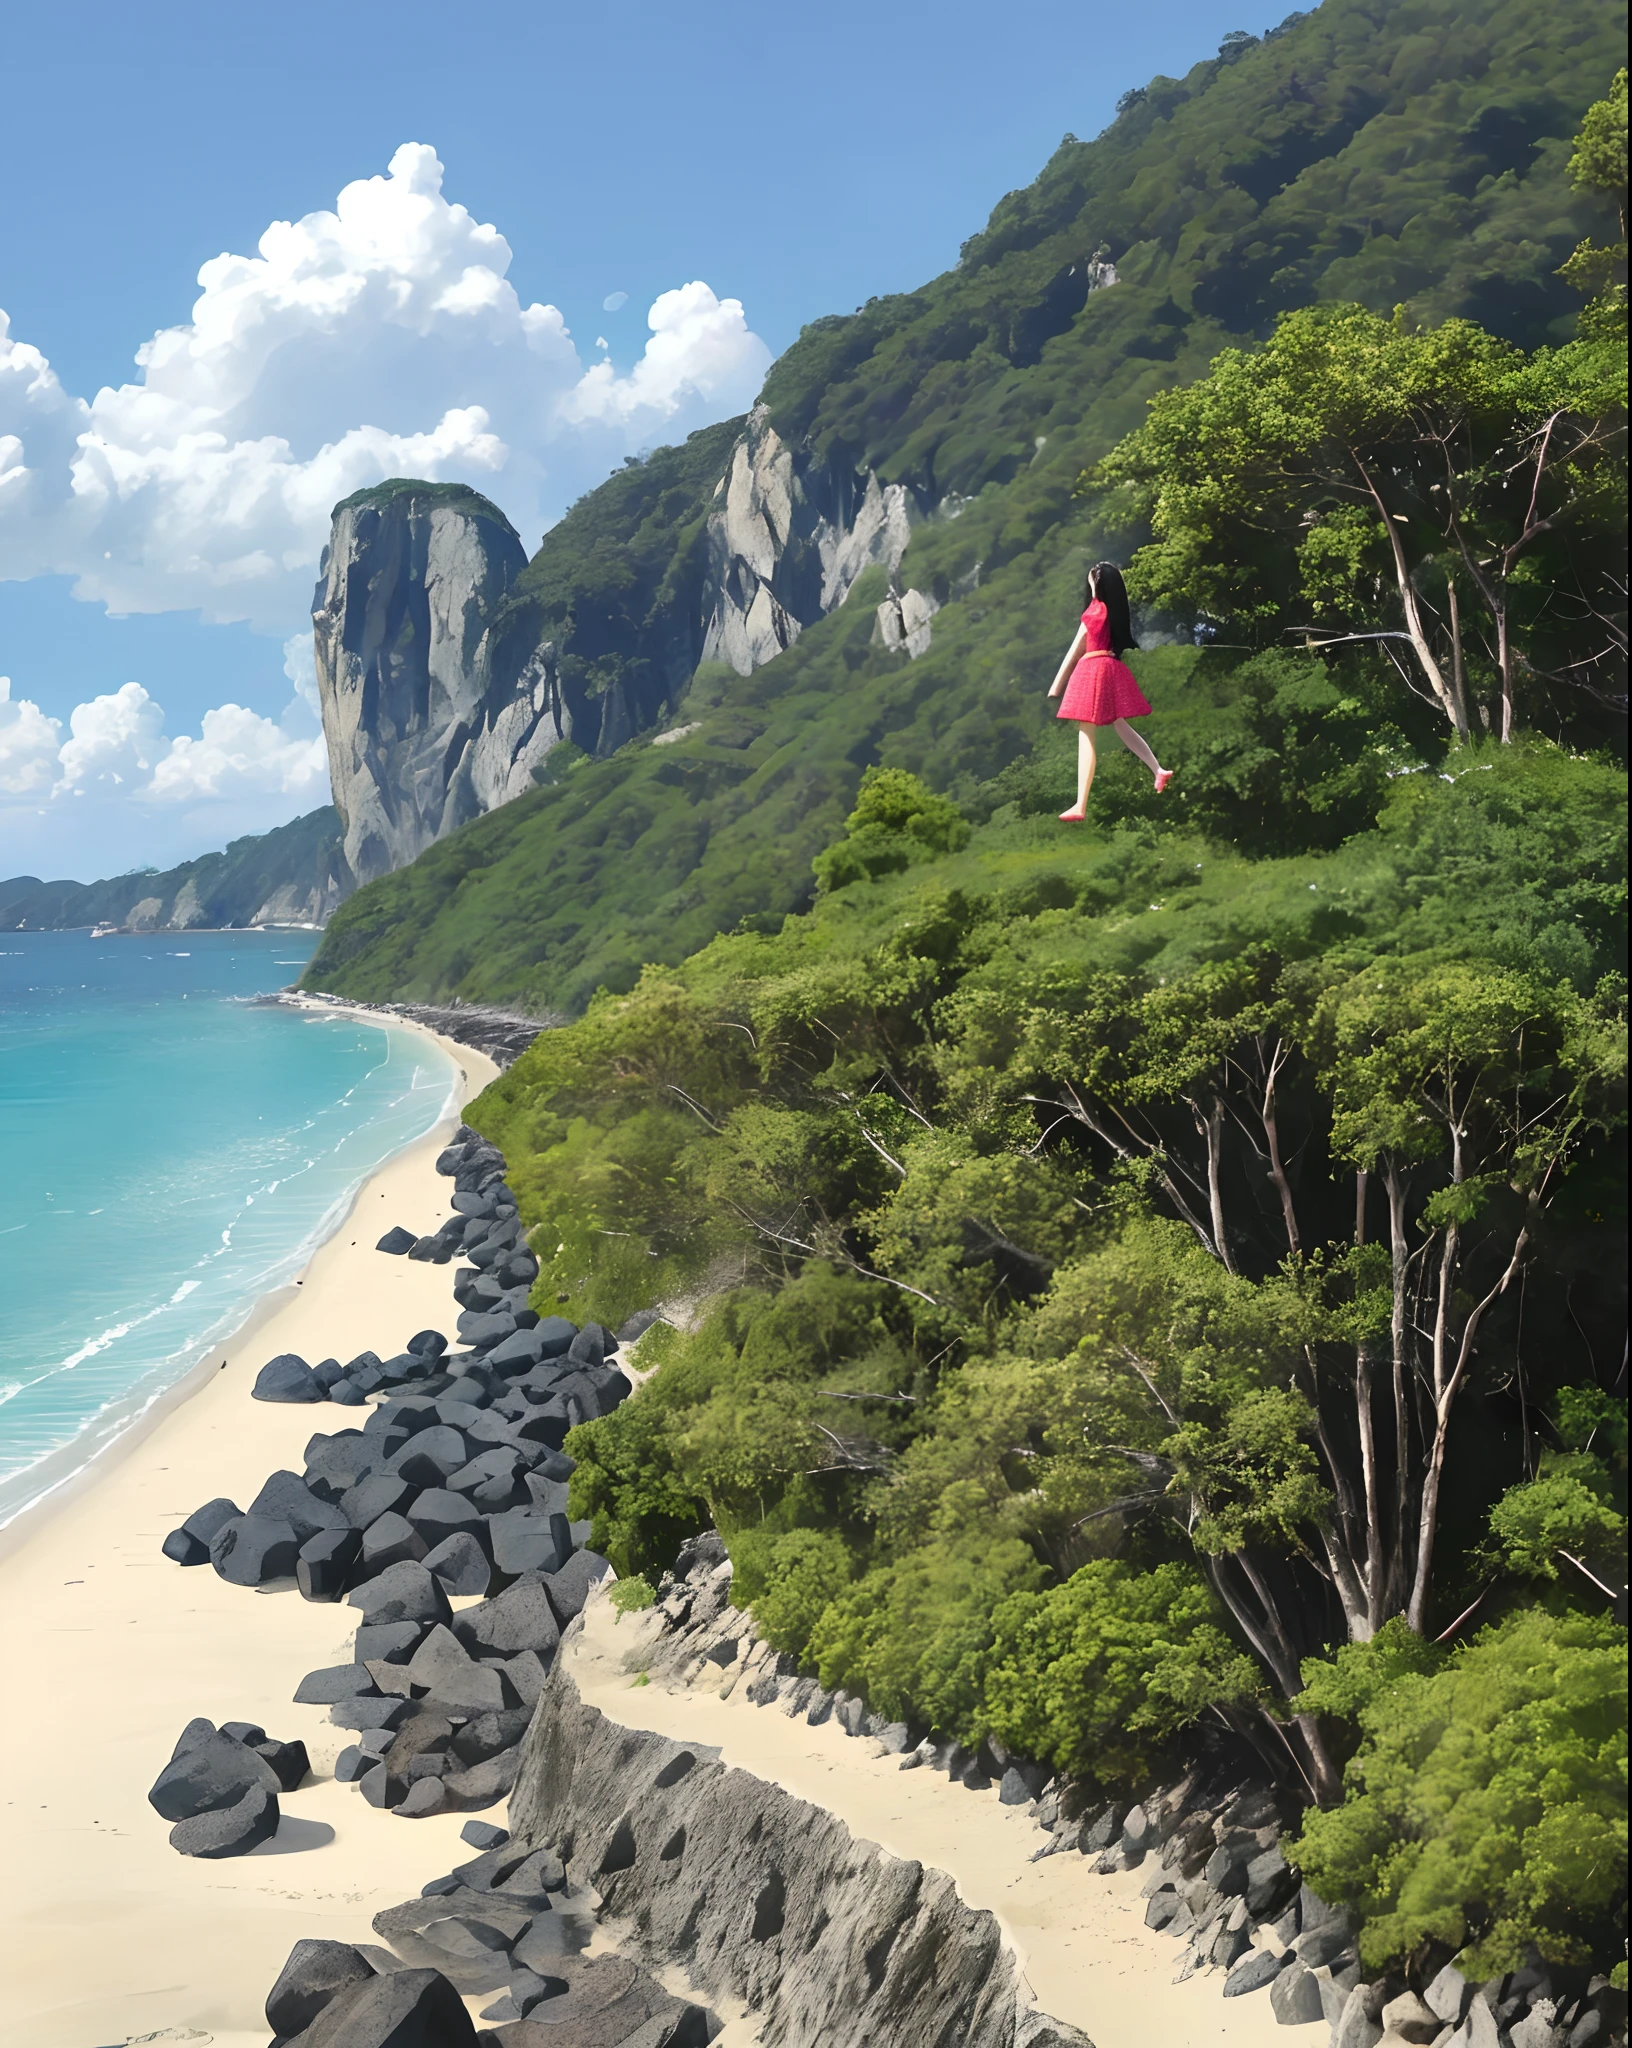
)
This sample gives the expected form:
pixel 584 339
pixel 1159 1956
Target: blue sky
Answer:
pixel 791 160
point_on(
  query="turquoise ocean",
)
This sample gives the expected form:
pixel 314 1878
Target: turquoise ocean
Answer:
pixel 170 1149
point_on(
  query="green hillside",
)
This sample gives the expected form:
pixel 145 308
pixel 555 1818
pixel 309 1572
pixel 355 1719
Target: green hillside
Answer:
pixel 1409 154
pixel 292 874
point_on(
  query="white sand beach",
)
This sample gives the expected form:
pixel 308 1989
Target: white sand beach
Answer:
pixel 108 1933
pixel 1080 1938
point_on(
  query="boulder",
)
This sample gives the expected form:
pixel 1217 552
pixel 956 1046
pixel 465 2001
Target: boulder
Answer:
pixel 249 1733
pixel 1021 1782
pixel 516 1352
pixel 327 1371
pixel 314 1972
pixel 482 1834
pixel 289 1761
pixel 396 1241
pixel 347 1393
pixel 526 1674
pixel 439 1512
pixel 286 1378
pixel 443 1668
pixel 229 1830
pixel 1262 1966
pixel 181 1548
pixel 460 1564
pixel 554 1335
pixel 214 1514
pixel 523 1617
pixel 336 1463
pixel 403 1592
pixel 388 1642
pixel 363 1711
pixel 637 1325
pixel 484 1783
pixel 252 1550
pixel 287 1498
pixel 1294 1997
pixel 1411 2019
pixel 425 1795
pixel 1448 1996
pixel 572 1585
pixel 486 1734
pixel 389 1540
pixel 324 1567
pixel 527 1542
pixel 427 1344
pixel 1269 1884
pixel 1359 2024
pixel 430 1456
pixel 406 2009
pixel 211 1772
pixel 379 1493
pixel 335 1682
pixel 590 1345
pixel 482 1329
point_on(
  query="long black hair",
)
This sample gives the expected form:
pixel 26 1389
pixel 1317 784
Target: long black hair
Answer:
pixel 1105 583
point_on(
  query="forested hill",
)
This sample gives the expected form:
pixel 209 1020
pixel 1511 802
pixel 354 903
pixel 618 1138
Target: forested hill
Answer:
pixel 1411 154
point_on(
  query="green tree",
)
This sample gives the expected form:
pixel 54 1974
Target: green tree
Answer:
pixel 1379 479
pixel 1486 1803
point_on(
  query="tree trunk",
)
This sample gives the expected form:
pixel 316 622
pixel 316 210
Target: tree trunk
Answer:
pixel 1277 1171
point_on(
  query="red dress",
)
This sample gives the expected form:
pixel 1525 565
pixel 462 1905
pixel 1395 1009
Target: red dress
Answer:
pixel 1101 689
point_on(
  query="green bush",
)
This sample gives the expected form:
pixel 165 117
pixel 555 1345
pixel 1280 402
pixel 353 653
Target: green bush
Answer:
pixel 1092 1674
pixel 1486 1804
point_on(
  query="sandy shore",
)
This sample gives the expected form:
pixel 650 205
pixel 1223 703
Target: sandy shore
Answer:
pixel 112 1650
pixel 1081 1938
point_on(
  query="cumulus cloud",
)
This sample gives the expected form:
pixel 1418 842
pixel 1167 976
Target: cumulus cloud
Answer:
pixel 382 338
pixel 29 746
pixel 117 748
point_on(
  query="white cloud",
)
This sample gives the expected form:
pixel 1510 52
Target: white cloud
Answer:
pixel 29 743
pixel 614 302
pixel 380 339
pixel 239 753
pixel 116 742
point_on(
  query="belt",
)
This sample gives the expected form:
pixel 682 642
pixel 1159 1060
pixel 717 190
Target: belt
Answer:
pixel 1100 654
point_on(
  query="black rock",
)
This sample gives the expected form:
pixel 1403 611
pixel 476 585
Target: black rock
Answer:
pixel 253 1550
pixel 287 1498
pixel 525 1673
pixel 181 1548
pixel 288 1760
pixel 489 1733
pixel 396 1241
pixel 362 1712
pixel 403 1592
pixel 380 1493
pixel 212 1772
pixel 425 1249
pixel 327 1371
pixel 430 1456
pixel 427 1344
pixel 334 1464
pixel 387 1642
pixel 439 1513
pixel 250 1733
pixel 362 1362
pixel 229 1830
pixel 333 1683
pixel 482 1834
pixel 315 1971
pixel 555 1335
pixel 203 1522
pixel 572 1585
pixel 1253 1972
pixel 347 1393
pixel 286 1378
pixel 351 1764
pixel 324 1567
pixel 589 1347
pixel 637 1325
pixel 527 1542
pixel 460 1564
pixel 523 1617
pixel 407 2009
pixel 389 1540
pixel 482 1330
pixel 451 1157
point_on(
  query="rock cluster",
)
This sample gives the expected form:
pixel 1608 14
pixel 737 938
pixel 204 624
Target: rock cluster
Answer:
pixel 455 1487
pixel 221 1787
pixel 511 1924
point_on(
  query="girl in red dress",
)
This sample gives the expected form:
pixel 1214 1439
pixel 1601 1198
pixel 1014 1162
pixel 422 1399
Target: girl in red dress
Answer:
pixel 1099 689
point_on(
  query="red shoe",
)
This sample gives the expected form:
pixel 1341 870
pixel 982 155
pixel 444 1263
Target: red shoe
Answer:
pixel 1163 777
pixel 1073 817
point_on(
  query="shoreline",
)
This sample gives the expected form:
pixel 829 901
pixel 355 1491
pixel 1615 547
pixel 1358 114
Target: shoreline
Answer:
pixel 84 1471
pixel 111 1933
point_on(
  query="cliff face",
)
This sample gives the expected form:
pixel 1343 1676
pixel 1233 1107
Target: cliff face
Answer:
pixel 413 576
pixel 449 666
pixel 765 1898
pixel 788 535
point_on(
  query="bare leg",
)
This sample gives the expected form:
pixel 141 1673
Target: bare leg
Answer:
pixel 1135 745
pixel 1086 764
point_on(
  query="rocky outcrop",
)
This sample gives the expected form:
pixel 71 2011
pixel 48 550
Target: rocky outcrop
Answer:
pixel 762 1897
pixel 413 577
pixel 787 537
